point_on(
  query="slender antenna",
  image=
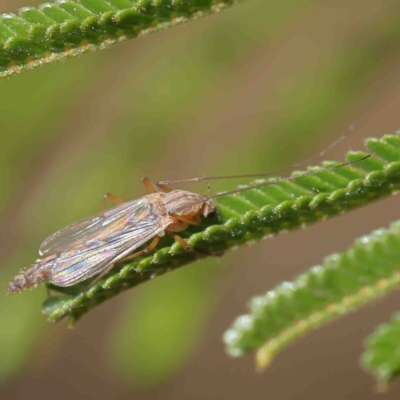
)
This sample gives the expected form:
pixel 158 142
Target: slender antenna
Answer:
pixel 291 167
pixel 288 178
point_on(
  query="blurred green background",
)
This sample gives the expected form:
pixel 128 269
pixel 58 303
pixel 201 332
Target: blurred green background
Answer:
pixel 254 88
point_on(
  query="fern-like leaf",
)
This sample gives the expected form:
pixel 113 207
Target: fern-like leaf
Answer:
pixel 252 215
pixel 382 356
pixel 55 31
pixel 344 282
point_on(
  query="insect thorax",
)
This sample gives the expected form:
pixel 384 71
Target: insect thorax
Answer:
pixel 187 204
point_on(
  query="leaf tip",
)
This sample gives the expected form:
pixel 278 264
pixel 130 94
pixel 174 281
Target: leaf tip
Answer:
pixel 263 359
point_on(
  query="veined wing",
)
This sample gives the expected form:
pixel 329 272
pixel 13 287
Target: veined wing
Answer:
pixel 97 226
pixel 78 264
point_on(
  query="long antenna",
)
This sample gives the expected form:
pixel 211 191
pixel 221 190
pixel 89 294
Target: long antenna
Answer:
pixel 263 174
pixel 288 178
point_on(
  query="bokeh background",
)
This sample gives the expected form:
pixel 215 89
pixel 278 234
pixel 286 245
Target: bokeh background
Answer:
pixel 254 88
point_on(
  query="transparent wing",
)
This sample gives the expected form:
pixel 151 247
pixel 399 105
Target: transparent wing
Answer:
pixel 77 264
pixel 96 225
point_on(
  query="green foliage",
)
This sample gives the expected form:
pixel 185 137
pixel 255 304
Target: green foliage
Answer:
pixel 382 356
pixel 66 28
pixel 310 100
pixel 54 141
pixel 344 281
pixel 252 215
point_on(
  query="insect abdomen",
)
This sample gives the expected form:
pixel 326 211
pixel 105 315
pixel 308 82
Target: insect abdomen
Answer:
pixel 29 278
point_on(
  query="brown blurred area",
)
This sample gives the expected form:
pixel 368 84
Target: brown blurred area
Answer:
pixel 226 116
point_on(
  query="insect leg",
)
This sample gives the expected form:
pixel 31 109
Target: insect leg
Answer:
pixel 187 247
pixel 180 240
pixel 150 186
pixel 190 221
pixel 111 197
pixel 166 188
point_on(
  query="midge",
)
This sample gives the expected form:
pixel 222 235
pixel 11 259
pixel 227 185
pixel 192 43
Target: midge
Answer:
pixel 94 245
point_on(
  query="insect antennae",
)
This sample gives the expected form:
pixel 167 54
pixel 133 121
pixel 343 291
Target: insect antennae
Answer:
pixel 263 174
pixel 288 178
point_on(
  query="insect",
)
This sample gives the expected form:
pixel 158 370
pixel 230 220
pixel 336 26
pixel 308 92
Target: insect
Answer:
pixel 94 245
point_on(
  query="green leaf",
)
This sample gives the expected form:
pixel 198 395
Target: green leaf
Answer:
pixel 344 282
pixel 382 354
pixel 253 215
pixel 67 28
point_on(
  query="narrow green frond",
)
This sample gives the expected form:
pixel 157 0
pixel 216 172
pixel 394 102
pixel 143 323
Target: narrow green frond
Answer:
pixel 344 282
pixel 382 356
pixel 249 216
pixel 55 31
